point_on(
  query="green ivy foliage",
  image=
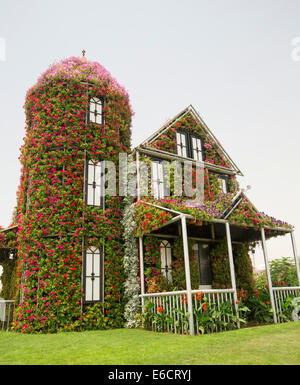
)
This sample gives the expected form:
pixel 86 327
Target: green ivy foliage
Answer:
pixel 242 265
pixel 8 278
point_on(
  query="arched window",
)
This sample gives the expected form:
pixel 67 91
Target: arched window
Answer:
pixel 93 274
pixel 166 259
pixel 96 111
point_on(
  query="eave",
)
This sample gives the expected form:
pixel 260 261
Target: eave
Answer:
pixel 171 156
pixel 240 229
pixel 14 228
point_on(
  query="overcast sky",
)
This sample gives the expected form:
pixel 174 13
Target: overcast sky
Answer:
pixel 233 60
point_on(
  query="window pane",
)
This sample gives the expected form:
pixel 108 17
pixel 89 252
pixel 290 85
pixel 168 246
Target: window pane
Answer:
pixel 96 101
pixel 97 264
pixel 92 106
pixel 155 189
pixel 194 143
pixel 184 151
pixel 90 174
pixel 96 291
pixel 179 152
pixel 183 139
pixel 178 138
pixel 89 264
pixel 98 119
pixel 90 195
pixel 223 185
pixel 98 174
pixel 91 117
pixel 160 175
pixel 199 144
pixel 154 171
pixel 204 265
pixel 97 196
pixel 166 259
pixel 161 191
pixel 88 289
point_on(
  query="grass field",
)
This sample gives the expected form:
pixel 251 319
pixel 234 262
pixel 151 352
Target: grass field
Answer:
pixel 264 345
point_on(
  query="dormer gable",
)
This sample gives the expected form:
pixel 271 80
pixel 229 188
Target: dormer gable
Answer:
pixel 187 136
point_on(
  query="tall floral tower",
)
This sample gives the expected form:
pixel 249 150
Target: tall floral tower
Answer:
pixel 70 253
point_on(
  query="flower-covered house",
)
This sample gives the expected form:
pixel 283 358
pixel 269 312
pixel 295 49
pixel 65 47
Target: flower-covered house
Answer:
pixel 93 246
pixel 195 254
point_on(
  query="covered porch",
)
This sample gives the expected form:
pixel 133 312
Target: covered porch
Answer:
pixel 182 311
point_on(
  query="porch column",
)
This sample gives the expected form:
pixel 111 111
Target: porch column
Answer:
pixel 264 246
pixel 142 278
pixel 187 273
pixel 295 256
pixel 231 264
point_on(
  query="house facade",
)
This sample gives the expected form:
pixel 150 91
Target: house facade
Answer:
pixel 187 248
pixel 90 243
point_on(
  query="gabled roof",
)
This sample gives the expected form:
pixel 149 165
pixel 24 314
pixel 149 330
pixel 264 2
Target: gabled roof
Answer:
pixel 237 199
pixel 191 110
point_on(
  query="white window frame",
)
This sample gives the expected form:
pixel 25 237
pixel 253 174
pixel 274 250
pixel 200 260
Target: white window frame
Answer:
pixel 157 179
pixel 223 184
pixel 166 259
pixel 95 183
pixel 96 111
pixel 93 275
pixel 197 151
pixel 182 144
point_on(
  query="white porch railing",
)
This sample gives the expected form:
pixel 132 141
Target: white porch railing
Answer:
pixel 282 307
pixel 6 313
pixel 169 310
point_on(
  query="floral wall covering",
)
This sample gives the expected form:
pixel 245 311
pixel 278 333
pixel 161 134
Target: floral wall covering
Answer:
pixel 55 225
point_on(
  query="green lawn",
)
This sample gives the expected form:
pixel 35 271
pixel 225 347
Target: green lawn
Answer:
pixel 273 344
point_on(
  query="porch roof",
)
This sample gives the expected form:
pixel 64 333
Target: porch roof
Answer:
pixel 245 225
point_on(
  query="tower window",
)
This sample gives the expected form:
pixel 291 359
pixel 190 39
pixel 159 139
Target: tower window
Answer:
pixel 93 277
pixel 95 184
pixel 96 111
pixel 166 259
